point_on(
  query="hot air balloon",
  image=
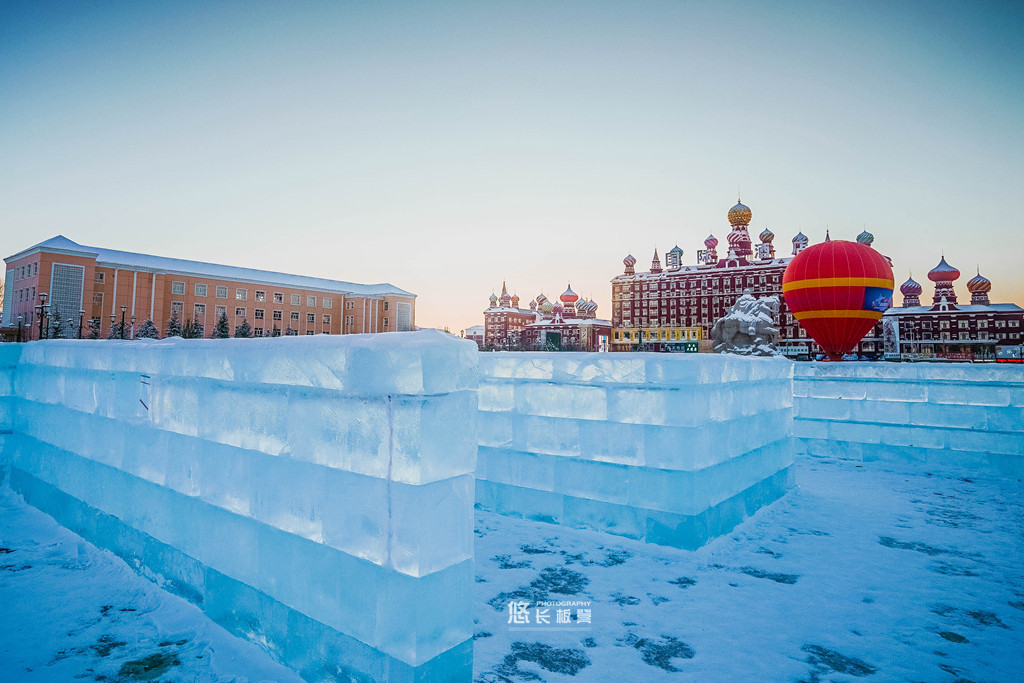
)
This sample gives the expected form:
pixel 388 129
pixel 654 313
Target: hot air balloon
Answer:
pixel 838 290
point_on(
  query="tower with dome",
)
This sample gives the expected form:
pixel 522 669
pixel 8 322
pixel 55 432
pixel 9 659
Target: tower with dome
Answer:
pixel 948 329
pixel 670 308
pixel 568 324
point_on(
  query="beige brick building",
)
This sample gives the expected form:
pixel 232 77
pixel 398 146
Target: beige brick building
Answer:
pixel 84 283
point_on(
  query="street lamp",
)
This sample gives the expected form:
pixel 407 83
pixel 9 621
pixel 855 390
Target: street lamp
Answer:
pixel 133 326
pixel 81 316
pixel 41 310
pixel 123 309
pixel 112 325
pixel 20 318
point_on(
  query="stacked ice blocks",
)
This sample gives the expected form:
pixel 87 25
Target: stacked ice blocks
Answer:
pixel 313 494
pixel 956 414
pixel 672 449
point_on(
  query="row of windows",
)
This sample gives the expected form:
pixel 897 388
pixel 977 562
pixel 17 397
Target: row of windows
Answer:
pixel 27 270
pixel 692 283
pixel 27 294
pixel 242 294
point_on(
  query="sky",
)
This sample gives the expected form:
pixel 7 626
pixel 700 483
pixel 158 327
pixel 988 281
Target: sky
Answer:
pixel 446 147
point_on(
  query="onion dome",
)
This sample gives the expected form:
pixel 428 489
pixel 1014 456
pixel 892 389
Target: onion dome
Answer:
pixel 592 306
pixel 739 214
pixel 494 299
pixel 629 261
pixel 547 306
pixel 569 297
pixel 533 305
pixel 541 298
pixel 711 242
pixel 558 308
pixel 943 272
pixel 515 301
pixel 979 284
pixel 910 288
pixel 866 238
pixel 767 236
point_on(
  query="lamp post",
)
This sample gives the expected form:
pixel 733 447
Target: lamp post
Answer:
pixel 81 317
pixel 112 318
pixel 20 318
pixel 41 310
pixel 123 309
pixel 133 326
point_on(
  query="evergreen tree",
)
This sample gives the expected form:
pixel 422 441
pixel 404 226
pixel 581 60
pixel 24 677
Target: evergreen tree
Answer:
pixel 276 332
pixel 95 332
pixel 289 332
pixel 115 331
pixel 54 324
pixel 173 326
pixel 221 329
pixel 193 329
pixel 147 330
pixel 243 331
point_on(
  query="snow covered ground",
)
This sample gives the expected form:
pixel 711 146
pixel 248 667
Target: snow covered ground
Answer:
pixel 866 571
pixel 73 612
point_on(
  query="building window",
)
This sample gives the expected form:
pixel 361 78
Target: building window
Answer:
pixel 385 322
pixel 97 298
pixel 258 332
pixel 278 298
pixel 222 312
pixel 963 324
pixel 310 300
pixel 199 312
pixel 277 315
pixel 100 277
pixel 177 288
pixel 943 324
pixel 240 312
pixel 350 305
pixel 295 316
pixel 327 318
pixel 1014 323
pixel 328 302
pixel 261 295
pixel 200 289
pixel 258 314
pixel 385 306
pixel 310 318
pixel 241 293
pixel 309 332
pixel 176 308
pixel 999 323
pixel 296 299
pixel 222 292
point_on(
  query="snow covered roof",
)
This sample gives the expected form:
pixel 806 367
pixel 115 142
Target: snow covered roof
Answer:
pixel 163 264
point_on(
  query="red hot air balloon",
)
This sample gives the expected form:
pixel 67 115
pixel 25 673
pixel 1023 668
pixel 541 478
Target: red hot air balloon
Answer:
pixel 838 290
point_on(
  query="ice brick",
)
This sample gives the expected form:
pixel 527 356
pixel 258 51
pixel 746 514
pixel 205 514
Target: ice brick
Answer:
pixel 431 525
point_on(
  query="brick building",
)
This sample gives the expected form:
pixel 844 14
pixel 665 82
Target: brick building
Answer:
pixel 83 283
pixel 570 324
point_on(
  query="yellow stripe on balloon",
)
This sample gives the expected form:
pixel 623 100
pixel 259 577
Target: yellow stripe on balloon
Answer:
pixel 838 282
pixel 805 315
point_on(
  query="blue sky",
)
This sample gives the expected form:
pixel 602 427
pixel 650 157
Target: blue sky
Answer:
pixel 445 147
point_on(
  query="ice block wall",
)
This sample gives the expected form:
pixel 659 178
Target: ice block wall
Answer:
pixel 955 414
pixel 313 494
pixel 669 448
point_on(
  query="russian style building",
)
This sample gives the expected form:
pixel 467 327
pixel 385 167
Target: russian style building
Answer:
pixel 570 324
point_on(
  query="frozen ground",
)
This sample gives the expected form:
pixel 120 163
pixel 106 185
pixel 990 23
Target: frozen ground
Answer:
pixel 867 571
pixel 72 612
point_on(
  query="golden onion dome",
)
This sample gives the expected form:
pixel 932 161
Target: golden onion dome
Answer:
pixel 739 214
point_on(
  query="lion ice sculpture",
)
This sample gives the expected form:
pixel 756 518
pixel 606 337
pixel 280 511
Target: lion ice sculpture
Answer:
pixel 750 328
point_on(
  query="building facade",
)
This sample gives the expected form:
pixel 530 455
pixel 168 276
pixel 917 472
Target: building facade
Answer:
pixel 948 329
pixel 570 324
pixel 668 308
pixel 81 283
